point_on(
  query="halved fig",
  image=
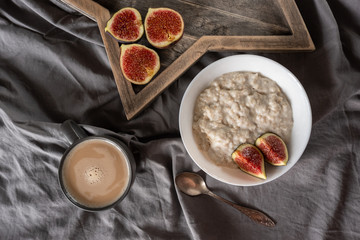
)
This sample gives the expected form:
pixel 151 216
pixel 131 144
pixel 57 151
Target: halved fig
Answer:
pixel 138 63
pixel 126 25
pixel 250 160
pixel 273 148
pixel 163 27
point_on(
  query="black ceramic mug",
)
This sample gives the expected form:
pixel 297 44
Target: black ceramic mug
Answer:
pixel 95 172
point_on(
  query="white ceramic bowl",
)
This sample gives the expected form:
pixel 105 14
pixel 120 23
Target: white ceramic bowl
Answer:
pixel 291 87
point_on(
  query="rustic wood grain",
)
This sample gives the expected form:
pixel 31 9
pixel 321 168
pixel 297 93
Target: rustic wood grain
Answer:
pixel 239 25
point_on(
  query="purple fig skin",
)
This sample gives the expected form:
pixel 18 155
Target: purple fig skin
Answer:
pixel 250 160
pixel 273 148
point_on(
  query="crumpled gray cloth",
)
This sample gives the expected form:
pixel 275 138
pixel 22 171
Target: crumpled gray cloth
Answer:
pixel 53 67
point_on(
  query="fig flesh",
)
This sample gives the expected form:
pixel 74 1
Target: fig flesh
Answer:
pixel 273 148
pixel 163 27
pixel 138 63
pixel 126 25
pixel 250 160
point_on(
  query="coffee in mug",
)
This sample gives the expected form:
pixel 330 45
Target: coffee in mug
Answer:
pixel 96 173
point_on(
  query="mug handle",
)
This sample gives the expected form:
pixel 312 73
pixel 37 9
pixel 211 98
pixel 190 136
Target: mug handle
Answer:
pixel 72 131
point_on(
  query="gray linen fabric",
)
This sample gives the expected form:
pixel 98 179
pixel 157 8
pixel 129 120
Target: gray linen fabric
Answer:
pixel 53 67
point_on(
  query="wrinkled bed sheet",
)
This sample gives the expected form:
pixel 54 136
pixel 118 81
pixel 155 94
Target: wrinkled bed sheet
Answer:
pixel 53 67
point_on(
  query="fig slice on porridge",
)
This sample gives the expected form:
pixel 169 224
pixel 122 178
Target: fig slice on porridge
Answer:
pixel 273 148
pixel 250 160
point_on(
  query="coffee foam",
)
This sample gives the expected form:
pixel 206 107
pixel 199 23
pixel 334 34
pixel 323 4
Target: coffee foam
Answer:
pixel 94 175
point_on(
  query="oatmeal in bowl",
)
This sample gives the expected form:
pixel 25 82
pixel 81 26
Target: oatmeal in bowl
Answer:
pixel 237 108
pixel 235 100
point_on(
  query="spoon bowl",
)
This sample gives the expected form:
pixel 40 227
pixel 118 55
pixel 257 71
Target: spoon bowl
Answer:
pixel 191 184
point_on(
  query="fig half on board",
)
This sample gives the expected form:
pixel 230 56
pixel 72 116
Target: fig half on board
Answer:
pixel 138 63
pixel 163 27
pixel 273 148
pixel 126 25
pixel 250 160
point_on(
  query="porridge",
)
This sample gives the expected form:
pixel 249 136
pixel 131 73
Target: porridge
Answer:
pixel 237 108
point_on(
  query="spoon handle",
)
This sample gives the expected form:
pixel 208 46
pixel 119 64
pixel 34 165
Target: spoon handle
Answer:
pixel 255 215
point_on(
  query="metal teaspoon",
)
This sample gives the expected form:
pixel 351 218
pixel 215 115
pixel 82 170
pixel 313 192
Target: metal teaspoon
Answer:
pixel 192 184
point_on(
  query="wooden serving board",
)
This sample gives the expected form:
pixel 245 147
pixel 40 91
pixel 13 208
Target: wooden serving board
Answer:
pixel 210 25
